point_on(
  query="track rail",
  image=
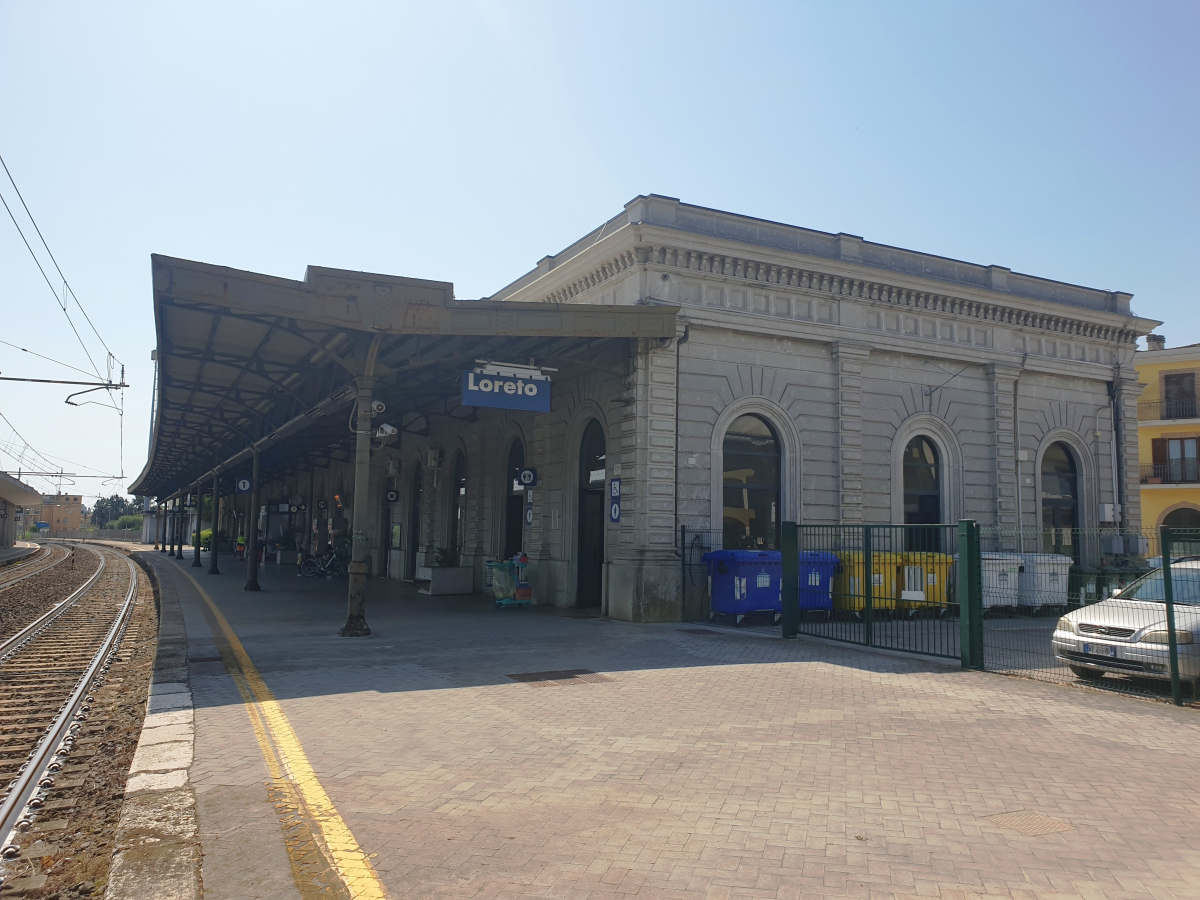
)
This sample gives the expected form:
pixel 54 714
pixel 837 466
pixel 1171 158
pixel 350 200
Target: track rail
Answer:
pixel 46 672
pixel 39 566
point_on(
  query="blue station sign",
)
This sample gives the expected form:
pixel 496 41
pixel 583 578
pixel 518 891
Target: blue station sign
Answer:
pixel 505 392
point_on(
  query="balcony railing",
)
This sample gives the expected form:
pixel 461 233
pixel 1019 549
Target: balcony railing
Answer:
pixel 1155 410
pixel 1182 471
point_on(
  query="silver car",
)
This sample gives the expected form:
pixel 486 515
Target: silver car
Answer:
pixel 1127 633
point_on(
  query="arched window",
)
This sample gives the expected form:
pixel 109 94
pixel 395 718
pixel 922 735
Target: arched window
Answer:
pixel 922 494
pixel 458 504
pixel 922 483
pixel 1060 500
pixel 751 485
pixel 514 519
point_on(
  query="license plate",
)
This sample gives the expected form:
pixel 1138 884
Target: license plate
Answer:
pixel 1100 650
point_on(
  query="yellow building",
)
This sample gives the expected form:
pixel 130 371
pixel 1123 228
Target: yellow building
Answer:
pixel 1168 434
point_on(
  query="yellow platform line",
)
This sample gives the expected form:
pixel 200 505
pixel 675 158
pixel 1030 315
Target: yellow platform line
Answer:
pixel 281 747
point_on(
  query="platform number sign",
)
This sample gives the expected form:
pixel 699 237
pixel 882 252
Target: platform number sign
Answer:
pixel 243 485
pixel 614 500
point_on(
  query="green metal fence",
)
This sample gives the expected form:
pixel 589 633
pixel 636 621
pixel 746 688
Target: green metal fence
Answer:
pixel 1099 607
pixel 1116 609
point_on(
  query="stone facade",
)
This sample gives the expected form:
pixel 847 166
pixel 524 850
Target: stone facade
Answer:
pixel 848 349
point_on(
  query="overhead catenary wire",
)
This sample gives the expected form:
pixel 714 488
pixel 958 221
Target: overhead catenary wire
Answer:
pixel 47 358
pixel 38 263
pixel 66 285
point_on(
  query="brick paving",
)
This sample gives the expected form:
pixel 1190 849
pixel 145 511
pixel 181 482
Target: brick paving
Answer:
pixel 708 766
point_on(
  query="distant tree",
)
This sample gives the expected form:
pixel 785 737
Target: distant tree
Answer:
pixel 127 521
pixel 108 509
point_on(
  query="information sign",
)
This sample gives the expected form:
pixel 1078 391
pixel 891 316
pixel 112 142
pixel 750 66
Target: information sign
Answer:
pixel 505 392
pixel 527 478
pixel 392 496
pixel 244 485
pixel 614 500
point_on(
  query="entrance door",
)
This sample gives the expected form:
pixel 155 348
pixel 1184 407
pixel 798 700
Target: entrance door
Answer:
pixel 514 504
pixel 592 507
pixel 414 525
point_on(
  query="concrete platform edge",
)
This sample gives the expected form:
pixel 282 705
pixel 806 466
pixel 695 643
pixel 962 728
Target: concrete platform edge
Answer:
pixel 158 852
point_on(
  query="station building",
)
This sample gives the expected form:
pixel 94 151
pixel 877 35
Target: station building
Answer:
pixel 15 498
pixel 709 373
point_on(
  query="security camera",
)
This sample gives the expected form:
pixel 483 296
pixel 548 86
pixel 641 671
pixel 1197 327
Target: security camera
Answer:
pixel 377 406
pixel 386 430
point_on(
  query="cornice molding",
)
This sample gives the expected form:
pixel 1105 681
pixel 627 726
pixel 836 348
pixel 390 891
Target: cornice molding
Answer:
pixel 804 279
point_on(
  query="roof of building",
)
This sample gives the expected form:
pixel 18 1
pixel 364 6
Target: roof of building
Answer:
pixel 669 212
pixel 250 362
pixel 17 492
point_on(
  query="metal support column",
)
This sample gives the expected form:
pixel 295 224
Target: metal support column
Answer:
pixel 789 589
pixel 160 543
pixel 1169 597
pixel 969 594
pixel 868 588
pixel 158 525
pixel 252 532
pixel 216 526
pixel 199 523
pixel 177 528
pixel 356 622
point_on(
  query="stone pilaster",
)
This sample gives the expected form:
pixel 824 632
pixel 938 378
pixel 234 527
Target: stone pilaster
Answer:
pixel 848 360
pixel 1128 390
pixel 1001 379
pixel 643 584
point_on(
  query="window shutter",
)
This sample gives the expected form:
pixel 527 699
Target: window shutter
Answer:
pixel 1158 451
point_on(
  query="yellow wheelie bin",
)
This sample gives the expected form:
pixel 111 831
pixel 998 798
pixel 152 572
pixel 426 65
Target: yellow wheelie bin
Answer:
pixel 849 590
pixel 926 581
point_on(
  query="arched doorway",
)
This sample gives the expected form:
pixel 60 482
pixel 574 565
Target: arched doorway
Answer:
pixel 1182 518
pixel 514 520
pixel 458 508
pixel 592 469
pixel 414 524
pixel 922 493
pixel 750 485
pixel 1060 500
pixel 1187 535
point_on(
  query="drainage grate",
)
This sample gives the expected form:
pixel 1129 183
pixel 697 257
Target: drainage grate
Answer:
pixel 696 631
pixel 1030 823
pixel 559 678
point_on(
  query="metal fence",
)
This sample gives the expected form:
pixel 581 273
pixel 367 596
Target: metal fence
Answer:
pixel 1097 607
pixel 1073 606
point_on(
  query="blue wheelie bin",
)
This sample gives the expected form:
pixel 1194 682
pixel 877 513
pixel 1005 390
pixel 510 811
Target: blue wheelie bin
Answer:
pixel 744 581
pixel 816 579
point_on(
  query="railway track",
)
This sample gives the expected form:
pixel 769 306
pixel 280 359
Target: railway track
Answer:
pixel 46 672
pixel 51 556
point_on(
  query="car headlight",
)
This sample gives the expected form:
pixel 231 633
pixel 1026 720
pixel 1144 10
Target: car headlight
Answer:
pixel 1065 624
pixel 1160 637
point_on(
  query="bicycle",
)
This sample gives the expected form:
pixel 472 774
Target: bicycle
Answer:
pixel 328 564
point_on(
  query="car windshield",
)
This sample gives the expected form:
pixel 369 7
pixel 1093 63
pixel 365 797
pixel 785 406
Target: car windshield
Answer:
pixel 1185 586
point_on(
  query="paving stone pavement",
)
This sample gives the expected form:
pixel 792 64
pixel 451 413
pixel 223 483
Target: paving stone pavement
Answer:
pixel 714 766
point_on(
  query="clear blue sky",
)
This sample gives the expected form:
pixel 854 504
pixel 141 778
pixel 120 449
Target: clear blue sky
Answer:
pixel 465 141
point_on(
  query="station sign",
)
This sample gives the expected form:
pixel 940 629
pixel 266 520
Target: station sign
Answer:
pixel 505 392
pixel 614 500
pixel 243 485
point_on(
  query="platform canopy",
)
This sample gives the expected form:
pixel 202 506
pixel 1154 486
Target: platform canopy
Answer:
pixel 248 361
pixel 17 492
